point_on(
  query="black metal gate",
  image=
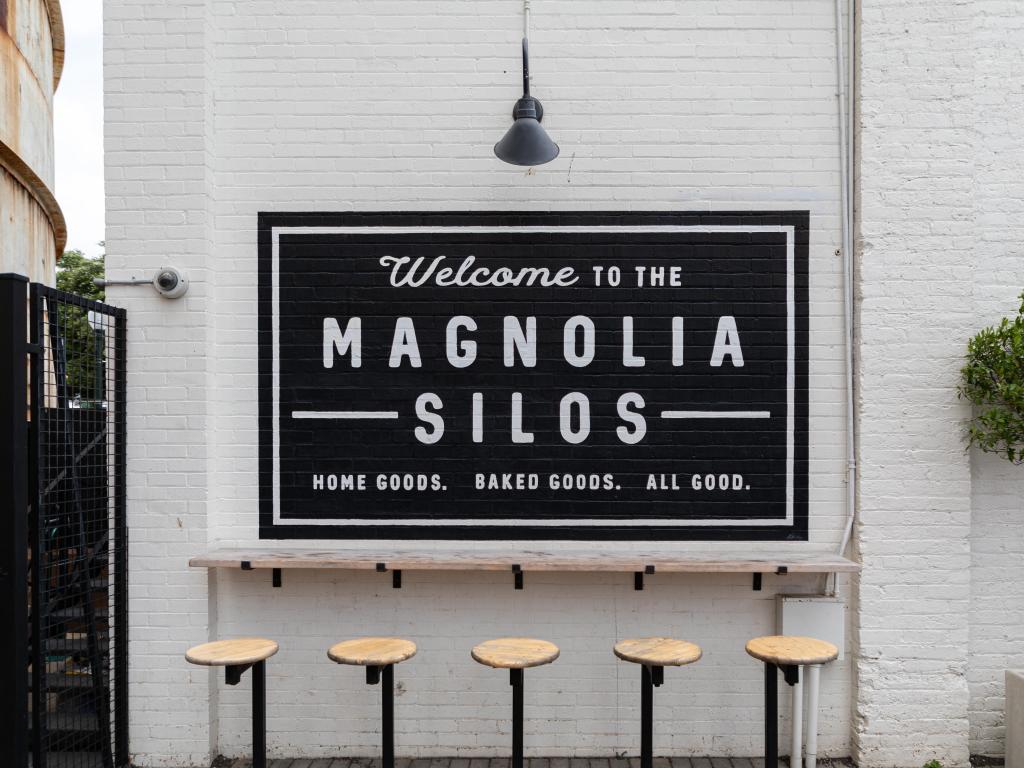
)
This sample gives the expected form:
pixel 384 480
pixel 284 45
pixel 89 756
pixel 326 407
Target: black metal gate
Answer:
pixel 71 701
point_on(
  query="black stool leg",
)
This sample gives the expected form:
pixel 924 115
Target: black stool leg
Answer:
pixel 516 680
pixel 387 697
pixel 259 715
pixel 650 678
pixel 771 716
pixel 646 717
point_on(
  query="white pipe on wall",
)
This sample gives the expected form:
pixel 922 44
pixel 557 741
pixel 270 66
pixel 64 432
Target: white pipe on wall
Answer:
pixel 811 753
pixel 844 74
pixel 798 719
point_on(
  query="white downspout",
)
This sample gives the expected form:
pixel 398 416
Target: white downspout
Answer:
pixel 844 72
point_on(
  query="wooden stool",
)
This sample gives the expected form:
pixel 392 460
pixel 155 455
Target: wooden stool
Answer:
pixel 653 654
pixel 788 654
pixel 379 655
pixel 516 654
pixel 236 656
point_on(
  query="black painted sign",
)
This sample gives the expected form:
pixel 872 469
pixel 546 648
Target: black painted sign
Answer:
pixel 543 376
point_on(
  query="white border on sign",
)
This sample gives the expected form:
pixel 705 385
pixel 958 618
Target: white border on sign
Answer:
pixel 789 231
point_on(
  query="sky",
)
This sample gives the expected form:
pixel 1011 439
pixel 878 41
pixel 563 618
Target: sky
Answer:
pixel 78 126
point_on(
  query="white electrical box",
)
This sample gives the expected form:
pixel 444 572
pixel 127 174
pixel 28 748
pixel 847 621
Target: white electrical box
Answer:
pixel 812 616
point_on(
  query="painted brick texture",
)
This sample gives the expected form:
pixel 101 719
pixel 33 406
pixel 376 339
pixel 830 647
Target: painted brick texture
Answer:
pixel 997 490
pixel 157 181
pixel 940 188
pixel 916 184
pixel 219 110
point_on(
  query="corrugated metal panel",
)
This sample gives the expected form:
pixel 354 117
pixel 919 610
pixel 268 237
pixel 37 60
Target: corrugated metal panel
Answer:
pixel 31 60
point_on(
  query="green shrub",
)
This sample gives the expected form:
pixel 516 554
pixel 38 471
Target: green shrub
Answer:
pixel 993 379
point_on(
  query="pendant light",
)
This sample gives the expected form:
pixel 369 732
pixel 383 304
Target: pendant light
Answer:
pixel 526 142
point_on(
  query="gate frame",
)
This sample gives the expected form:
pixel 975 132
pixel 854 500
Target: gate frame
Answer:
pixel 14 474
pixel 121 757
pixel 21 323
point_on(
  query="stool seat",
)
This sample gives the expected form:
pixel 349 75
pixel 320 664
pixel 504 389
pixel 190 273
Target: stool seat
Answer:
pixel 790 654
pixel 372 651
pixel 658 651
pixel 515 653
pixel 379 655
pixel 239 656
pixel 791 651
pixel 232 653
pixel 653 654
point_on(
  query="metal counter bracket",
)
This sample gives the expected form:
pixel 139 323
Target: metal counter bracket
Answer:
pixel 782 570
pixel 638 577
pixel 396 575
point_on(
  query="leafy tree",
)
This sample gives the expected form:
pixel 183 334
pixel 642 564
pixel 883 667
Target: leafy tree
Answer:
pixel 76 272
pixel 84 348
pixel 993 379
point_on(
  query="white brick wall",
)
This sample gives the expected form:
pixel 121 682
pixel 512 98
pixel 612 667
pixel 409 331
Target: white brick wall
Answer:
pixel 997 597
pixel 586 703
pixel 941 196
pixel 158 211
pixel 916 177
pixel 218 110
pixel 338 107
pixel 997 522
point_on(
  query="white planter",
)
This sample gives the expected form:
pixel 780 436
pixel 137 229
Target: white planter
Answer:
pixel 1014 718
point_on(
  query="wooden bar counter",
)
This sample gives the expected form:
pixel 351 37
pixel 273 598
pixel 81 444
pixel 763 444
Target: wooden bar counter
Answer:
pixel 537 559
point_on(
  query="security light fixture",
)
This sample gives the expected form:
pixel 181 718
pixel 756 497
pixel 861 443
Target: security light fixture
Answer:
pixel 526 142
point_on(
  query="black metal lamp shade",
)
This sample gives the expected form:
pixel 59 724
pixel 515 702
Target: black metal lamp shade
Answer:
pixel 526 142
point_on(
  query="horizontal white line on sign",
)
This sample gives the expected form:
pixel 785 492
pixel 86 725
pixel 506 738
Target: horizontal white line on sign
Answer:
pixel 344 414
pixel 716 414
pixel 539 228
